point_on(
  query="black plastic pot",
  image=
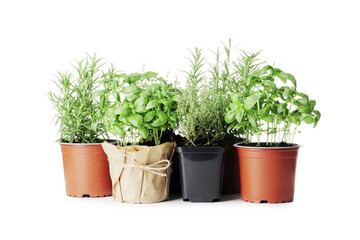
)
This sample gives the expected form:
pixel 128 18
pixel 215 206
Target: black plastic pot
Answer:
pixel 201 173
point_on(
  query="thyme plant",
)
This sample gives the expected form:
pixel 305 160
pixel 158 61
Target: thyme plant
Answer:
pixel 79 114
pixel 261 106
pixel 201 109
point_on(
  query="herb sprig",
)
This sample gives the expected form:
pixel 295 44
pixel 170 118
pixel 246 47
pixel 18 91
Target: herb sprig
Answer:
pixel 79 114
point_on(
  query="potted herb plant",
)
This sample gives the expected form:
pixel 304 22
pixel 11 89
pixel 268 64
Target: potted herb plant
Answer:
pixel 142 111
pixel 82 129
pixel 265 107
pixel 223 72
pixel 201 122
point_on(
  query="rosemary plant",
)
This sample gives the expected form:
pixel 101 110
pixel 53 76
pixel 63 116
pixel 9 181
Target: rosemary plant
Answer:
pixel 79 114
pixel 201 108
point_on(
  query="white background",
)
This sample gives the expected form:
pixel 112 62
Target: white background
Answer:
pixel 316 41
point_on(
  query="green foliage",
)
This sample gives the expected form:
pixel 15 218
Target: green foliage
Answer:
pixel 202 106
pixel 261 106
pixel 143 107
pixel 79 111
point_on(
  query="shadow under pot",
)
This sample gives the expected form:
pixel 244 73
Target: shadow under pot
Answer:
pixel 231 175
pixel 267 174
pixel 86 170
pixel 201 173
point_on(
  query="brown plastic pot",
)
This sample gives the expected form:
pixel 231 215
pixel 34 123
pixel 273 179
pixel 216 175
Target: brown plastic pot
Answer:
pixel 267 174
pixel 86 170
pixel 231 175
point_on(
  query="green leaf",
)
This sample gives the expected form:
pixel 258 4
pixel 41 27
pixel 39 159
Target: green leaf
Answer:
pixel 297 103
pixel 133 78
pixel 268 118
pixel 291 78
pixel 123 119
pixel 296 119
pixel 162 117
pixel 240 125
pixel 235 98
pixel 317 113
pixel 312 104
pixel 157 123
pixel 281 107
pixel 303 101
pixel 239 115
pixel 162 81
pixel 144 132
pixel 305 109
pixel 282 76
pixel 288 93
pixel 153 103
pixel 150 75
pixel 295 113
pixel 270 84
pixel 141 109
pixel 252 119
pixel 131 98
pixel 251 80
pixel 123 110
pixel 243 94
pixel 307 119
pixel 136 120
pixel 174 117
pixel 131 89
pixel 264 111
pixel 106 81
pixel 251 101
pixel 100 93
pixel 276 71
pixel 117 97
pixel 280 117
pixel 149 116
pixel 303 95
pixel 230 127
pixel 265 69
pixel 148 125
pixel 140 102
pixel 269 78
pixel 273 108
pixel 176 98
pixel 117 131
pixel 317 117
pixel 230 116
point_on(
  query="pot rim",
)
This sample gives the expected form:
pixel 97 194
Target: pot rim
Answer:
pixel 86 144
pixel 254 147
pixel 210 149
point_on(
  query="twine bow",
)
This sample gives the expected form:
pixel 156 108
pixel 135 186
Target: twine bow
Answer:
pixel 155 168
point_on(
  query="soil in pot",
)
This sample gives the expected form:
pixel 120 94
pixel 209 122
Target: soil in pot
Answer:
pixel 231 174
pixel 267 174
pixel 201 173
pixel 86 170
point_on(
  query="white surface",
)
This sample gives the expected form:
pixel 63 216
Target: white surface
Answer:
pixel 316 41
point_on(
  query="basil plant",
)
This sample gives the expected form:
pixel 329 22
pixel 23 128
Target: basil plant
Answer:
pixel 262 106
pixel 143 107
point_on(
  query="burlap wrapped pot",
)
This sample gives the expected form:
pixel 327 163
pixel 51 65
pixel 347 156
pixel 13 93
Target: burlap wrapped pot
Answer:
pixel 140 174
